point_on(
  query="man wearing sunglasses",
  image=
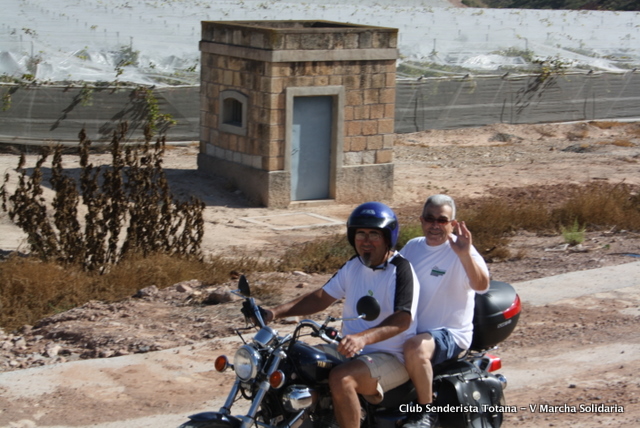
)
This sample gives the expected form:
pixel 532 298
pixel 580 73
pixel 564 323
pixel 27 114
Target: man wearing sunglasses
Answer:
pixel 450 271
pixel 375 348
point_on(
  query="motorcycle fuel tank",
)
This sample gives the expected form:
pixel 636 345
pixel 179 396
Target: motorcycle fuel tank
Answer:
pixel 312 363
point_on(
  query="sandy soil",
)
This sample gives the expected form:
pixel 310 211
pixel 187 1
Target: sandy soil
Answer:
pixel 467 163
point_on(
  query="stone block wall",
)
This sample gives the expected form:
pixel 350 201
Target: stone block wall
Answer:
pixel 261 60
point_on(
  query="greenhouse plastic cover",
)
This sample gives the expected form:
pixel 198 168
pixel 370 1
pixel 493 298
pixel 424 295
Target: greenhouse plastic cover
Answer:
pixel 156 42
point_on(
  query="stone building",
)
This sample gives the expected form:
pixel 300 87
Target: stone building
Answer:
pixel 299 111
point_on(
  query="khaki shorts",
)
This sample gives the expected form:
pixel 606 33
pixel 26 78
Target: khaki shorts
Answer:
pixel 387 369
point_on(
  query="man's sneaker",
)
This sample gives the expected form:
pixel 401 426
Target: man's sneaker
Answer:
pixel 422 420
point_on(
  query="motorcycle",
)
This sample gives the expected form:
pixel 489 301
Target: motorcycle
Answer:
pixel 285 379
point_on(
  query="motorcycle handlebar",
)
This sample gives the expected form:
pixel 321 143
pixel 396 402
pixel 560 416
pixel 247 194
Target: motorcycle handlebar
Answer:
pixel 326 333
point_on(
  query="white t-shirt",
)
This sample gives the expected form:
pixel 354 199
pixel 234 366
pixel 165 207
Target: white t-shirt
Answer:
pixel 446 297
pixel 395 286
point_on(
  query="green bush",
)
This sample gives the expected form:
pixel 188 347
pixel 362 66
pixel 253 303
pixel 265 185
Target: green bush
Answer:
pixel 574 234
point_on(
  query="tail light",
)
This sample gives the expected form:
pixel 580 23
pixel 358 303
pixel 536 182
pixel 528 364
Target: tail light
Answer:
pixel 514 309
pixel 494 363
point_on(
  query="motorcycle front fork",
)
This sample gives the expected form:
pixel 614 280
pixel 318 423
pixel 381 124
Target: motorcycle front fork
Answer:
pixel 249 419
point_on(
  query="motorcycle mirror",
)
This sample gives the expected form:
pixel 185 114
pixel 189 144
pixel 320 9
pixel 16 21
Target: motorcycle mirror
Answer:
pixel 368 308
pixel 243 286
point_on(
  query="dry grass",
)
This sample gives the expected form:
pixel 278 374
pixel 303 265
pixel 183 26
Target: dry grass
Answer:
pixel 545 132
pixel 607 124
pixel 601 206
pixel 317 256
pixel 598 206
pixel 634 130
pixel 580 134
pixel 622 142
pixel 32 289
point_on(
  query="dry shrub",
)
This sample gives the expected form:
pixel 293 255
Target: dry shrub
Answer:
pixel 606 124
pixel 129 206
pixel 601 205
pixel 492 220
pixel 545 131
pixel 323 255
pixel 634 130
pixel 619 142
pixel 33 289
pixel 546 209
pixel 577 135
pixel 489 221
pixel 622 142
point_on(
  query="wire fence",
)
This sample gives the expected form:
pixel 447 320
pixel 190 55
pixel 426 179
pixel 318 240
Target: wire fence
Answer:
pixel 46 114
pixel 467 101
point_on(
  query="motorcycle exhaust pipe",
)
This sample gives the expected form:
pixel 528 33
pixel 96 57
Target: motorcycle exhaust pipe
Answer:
pixel 503 380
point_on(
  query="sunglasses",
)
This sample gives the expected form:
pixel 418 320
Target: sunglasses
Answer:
pixel 373 236
pixel 441 220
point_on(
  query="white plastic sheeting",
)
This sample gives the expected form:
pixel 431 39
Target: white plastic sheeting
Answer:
pixel 156 42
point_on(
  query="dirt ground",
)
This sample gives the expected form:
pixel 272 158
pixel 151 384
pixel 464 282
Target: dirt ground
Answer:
pixel 498 159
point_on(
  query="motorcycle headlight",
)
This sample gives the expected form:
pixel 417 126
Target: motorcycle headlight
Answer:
pixel 246 363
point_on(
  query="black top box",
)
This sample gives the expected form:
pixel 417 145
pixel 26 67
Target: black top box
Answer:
pixel 495 316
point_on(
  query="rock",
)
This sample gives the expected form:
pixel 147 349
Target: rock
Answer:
pixel 106 353
pixel 25 329
pixel 559 248
pixel 300 273
pixel 20 343
pixel 150 291
pixel 579 148
pixel 219 295
pixel 187 286
pixel 579 249
pixel 183 288
pixel 52 350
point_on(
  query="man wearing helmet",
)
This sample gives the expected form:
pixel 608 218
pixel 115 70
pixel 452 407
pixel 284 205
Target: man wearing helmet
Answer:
pixel 375 346
pixel 451 271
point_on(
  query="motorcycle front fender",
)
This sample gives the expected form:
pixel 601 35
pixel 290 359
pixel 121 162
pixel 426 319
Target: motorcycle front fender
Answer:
pixel 216 419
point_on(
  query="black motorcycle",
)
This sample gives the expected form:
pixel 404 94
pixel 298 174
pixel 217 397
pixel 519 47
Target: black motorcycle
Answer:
pixel 286 380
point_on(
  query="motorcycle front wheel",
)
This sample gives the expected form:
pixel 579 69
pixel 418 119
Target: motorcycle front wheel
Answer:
pixel 205 424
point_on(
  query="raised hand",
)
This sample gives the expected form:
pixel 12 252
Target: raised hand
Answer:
pixel 463 244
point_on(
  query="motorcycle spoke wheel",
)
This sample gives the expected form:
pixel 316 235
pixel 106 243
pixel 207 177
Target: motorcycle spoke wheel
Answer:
pixel 205 424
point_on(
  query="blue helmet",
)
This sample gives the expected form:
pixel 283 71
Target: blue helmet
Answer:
pixel 374 215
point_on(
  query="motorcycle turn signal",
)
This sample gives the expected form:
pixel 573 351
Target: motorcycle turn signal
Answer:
pixel 277 379
pixel 221 364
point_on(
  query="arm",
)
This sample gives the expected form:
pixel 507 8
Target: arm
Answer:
pixel 478 278
pixel 394 324
pixel 307 304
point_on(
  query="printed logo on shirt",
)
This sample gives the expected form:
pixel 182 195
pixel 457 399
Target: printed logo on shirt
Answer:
pixel 370 292
pixel 437 272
